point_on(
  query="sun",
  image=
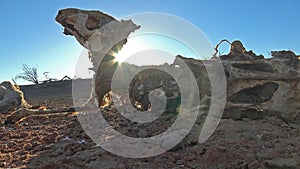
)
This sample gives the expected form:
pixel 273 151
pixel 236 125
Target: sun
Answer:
pixel 120 56
pixel 132 46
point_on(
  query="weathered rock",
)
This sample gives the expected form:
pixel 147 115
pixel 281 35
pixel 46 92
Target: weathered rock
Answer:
pixel 255 86
pixel 289 55
pixel 239 53
pixel 102 35
pixel 266 86
pixel 82 24
pixel 237 48
pixel 11 98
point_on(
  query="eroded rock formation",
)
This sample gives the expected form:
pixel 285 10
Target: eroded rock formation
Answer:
pixel 102 35
pixel 11 98
pixel 82 24
pixel 239 53
pixel 256 86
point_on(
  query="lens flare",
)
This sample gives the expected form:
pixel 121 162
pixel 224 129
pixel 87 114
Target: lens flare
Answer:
pixel 131 47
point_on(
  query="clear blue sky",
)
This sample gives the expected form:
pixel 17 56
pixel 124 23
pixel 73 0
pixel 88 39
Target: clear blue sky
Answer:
pixel 30 35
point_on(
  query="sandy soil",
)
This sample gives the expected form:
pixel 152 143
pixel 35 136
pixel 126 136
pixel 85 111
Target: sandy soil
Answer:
pixel 58 141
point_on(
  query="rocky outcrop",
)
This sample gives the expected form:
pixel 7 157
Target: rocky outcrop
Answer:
pixel 82 24
pixel 11 98
pixel 263 87
pixel 102 35
pixel 239 53
pixel 255 86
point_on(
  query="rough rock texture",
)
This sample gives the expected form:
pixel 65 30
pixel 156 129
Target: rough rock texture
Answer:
pixel 82 24
pixel 265 87
pixel 102 35
pixel 239 53
pixel 256 86
pixel 11 98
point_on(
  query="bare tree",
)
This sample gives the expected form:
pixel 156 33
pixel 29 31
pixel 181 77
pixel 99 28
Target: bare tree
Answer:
pixel 29 74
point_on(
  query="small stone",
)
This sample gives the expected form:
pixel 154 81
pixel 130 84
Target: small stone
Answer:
pixel 222 149
pixel 142 133
pixel 246 119
pixel 274 120
pixel 282 163
pixel 256 164
pixel 193 164
pixel 3 164
pixel 28 147
pixel 259 136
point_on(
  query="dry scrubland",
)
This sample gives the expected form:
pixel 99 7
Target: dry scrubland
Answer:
pixel 259 128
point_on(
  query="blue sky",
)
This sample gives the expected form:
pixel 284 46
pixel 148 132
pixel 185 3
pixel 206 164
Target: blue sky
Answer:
pixel 30 35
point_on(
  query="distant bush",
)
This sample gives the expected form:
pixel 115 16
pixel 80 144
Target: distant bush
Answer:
pixel 29 74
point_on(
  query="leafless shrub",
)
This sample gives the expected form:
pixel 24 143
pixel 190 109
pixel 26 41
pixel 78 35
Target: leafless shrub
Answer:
pixel 29 74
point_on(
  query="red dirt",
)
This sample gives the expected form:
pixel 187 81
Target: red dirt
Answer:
pixel 58 141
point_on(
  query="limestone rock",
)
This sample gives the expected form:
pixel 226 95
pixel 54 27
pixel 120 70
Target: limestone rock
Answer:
pixel 256 87
pixel 102 35
pixel 284 54
pixel 11 97
pixel 263 87
pixel 237 48
pixel 288 55
pixel 95 30
pixel 80 23
pixel 239 53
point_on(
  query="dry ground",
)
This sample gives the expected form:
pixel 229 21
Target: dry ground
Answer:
pixel 58 141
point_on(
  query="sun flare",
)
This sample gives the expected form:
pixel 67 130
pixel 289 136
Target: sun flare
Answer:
pixel 132 46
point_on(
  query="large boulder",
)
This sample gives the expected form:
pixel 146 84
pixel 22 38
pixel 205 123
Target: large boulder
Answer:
pixel 11 98
pixel 102 35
